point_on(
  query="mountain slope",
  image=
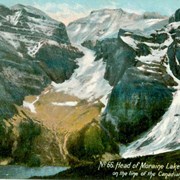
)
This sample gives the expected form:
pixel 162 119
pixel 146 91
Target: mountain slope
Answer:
pixel 143 95
pixel 25 34
pixel 105 23
pixel 44 129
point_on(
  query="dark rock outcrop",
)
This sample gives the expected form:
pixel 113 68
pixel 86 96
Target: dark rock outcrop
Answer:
pixel 118 57
pixel 174 58
pixel 175 17
pixel 136 103
pixel 58 62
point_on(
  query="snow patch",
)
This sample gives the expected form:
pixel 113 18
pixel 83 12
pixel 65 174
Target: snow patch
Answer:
pixel 14 18
pixel 11 38
pixel 130 41
pixel 106 24
pixel 32 50
pixel 30 106
pixel 69 103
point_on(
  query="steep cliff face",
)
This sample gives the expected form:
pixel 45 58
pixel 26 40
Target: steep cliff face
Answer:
pixel 19 77
pixel 118 57
pixel 145 91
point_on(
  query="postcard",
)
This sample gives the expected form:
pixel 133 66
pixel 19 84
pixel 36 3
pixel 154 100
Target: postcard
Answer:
pixel 90 89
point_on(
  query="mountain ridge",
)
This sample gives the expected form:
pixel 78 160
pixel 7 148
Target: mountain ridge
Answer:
pixel 105 23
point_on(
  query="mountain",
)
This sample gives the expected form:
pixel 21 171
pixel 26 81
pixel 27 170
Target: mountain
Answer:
pixel 34 51
pixel 146 93
pixel 40 126
pixel 84 98
pixel 106 23
pixel 143 72
pixel 27 65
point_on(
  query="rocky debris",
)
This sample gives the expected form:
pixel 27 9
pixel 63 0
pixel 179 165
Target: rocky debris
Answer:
pixel 71 137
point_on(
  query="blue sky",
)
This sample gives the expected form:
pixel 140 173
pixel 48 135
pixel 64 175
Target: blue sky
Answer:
pixel 69 10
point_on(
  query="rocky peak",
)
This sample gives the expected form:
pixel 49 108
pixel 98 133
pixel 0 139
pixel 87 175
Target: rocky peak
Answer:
pixel 26 28
pixel 31 11
pixel 4 11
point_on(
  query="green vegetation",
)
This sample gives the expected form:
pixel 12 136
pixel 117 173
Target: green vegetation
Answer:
pixel 91 143
pixel 6 141
pixel 28 130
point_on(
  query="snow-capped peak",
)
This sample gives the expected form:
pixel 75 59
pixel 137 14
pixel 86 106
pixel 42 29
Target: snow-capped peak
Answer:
pixel 27 26
pixel 29 9
pixel 105 23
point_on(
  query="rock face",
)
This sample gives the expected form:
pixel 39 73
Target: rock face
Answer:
pixel 174 57
pixel 58 61
pixel 136 103
pixel 28 40
pixel 175 17
pixel 19 77
pixel 144 92
pixel 117 55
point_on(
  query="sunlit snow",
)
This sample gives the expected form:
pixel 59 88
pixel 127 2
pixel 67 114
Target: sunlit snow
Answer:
pixel 68 103
pixel 30 106
pixel 88 81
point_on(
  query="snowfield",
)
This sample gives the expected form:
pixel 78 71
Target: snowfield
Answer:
pixel 106 23
pixel 88 81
